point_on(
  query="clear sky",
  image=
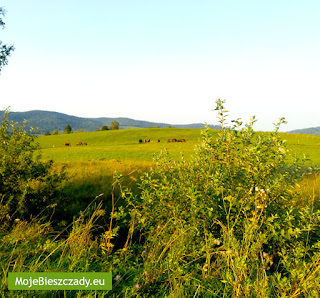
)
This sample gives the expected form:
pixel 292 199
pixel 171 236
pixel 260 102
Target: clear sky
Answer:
pixel 165 61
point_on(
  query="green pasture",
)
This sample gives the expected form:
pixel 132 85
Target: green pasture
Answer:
pixel 304 145
pixel 118 144
pixel 123 145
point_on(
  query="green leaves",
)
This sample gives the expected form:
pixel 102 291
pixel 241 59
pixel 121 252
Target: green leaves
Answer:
pixel 228 205
pixel 5 50
pixel 27 184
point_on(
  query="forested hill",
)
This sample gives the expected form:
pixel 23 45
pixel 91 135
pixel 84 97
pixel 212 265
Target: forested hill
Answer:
pixel 310 131
pixel 47 121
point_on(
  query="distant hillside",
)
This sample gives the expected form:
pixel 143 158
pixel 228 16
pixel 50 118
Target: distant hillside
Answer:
pixel 47 121
pixel 309 131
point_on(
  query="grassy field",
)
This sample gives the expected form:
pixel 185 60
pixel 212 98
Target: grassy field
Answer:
pixel 118 144
pixel 123 145
pixel 302 144
pixel 91 167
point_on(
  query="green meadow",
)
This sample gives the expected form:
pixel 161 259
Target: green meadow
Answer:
pixel 302 145
pixel 91 167
pixel 117 144
pixel 123 145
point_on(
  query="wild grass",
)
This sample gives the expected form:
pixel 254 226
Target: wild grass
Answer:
pixel 309 190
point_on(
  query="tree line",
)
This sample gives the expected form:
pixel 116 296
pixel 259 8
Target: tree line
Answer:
pixel 114 125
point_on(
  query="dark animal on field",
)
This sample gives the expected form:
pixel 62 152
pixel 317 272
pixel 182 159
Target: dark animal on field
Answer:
pixel 144 141
pixel 172 140
pixel 67 144
pixel 181 140
pixel 158 141
pixel 148 140
pixel 85 143
pixel 140 141
pixel 79 144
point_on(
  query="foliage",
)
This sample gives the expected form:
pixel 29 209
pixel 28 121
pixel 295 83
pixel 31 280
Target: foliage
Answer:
pixel 27 184
pixel 5 50
pixel 222 223
pixel 104 127
pixel 68 129
pixel 114 125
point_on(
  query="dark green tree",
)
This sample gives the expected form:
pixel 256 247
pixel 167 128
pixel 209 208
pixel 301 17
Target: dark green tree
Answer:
pixel 5 50
pixel 68 129
pixel 105 127
pixel 114 125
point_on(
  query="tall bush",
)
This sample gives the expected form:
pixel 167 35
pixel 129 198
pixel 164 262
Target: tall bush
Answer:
pixel 28 184
pixel 222 223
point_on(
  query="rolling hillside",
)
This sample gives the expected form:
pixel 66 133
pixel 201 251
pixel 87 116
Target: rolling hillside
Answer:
pixel 47 121
pixel 309 131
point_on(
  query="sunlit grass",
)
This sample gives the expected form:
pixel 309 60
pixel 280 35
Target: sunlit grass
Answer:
pixel 118 145
pixel 309 188
pixel 91 167
pixel 124 145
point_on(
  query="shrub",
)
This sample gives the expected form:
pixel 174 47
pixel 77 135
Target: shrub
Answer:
pixel 114 125
pixel 27 184
pixel 221 223
pixel 103 128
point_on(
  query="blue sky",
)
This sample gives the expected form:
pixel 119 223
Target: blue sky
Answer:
pixel 165 61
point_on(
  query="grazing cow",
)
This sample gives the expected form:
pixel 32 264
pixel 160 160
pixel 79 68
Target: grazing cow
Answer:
pixel 172 140
pixel 148 140
pixel 140 141
pixel 158 141
pixel 181 140
pixel 79 144
pixel 144 141
pixel 67 144
pixel 84 144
